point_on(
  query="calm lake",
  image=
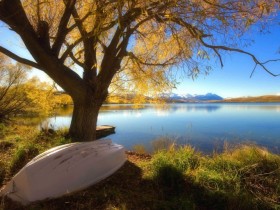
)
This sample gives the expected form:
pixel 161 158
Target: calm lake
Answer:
pixel 205 126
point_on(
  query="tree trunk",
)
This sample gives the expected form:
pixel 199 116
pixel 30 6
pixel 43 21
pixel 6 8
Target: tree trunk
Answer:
pixel 84 120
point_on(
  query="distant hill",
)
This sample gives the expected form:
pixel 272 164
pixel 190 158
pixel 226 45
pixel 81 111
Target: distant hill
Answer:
pixel 193 98
pixel 266 98
pixel 208 97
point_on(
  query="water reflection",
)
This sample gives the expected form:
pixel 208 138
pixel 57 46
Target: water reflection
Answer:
pixel 254 106
pixel 202 125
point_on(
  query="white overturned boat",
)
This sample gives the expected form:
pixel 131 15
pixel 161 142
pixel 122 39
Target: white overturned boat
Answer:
pixel 65 169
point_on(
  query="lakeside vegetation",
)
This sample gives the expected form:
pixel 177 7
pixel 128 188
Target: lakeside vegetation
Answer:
pixel 243 177
pixel 23 96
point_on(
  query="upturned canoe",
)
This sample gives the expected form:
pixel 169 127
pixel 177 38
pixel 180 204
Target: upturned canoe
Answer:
pixel 65 169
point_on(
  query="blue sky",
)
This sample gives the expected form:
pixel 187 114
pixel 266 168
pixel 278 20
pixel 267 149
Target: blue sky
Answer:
pixel 233 80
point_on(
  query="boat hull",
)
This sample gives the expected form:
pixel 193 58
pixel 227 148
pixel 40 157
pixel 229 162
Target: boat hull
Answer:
pixel 65 169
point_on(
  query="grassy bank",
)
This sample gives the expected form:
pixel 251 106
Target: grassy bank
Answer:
pixel 261 99
pixel 245 177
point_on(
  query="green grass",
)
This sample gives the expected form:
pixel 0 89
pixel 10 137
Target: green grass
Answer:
pixel 247 177
pixel 174 177
pixel 22 156
pixel 184 159
pixel 21 142
pixel 3 129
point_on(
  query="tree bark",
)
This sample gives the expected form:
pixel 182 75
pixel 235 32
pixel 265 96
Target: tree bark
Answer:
pixel 84 120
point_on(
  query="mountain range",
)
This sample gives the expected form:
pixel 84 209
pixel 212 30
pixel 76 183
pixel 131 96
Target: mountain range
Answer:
pixel 193 98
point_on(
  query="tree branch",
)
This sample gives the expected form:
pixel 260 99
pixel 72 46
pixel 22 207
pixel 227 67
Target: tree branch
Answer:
pixel 199 34
pixel 139 61
pixel 76 60
pixel 257 62
pixel 220 57
pixel 79 22
pixel 14 15
pixel 20 59
pixel 104 47
pixel 62 28
pixel 75 24
pixel 69 49
pixel 89 43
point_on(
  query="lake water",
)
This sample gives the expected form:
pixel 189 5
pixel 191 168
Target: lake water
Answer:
pixel 206 126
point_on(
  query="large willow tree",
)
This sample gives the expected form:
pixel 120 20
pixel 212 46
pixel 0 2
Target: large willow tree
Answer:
pixel 139 40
